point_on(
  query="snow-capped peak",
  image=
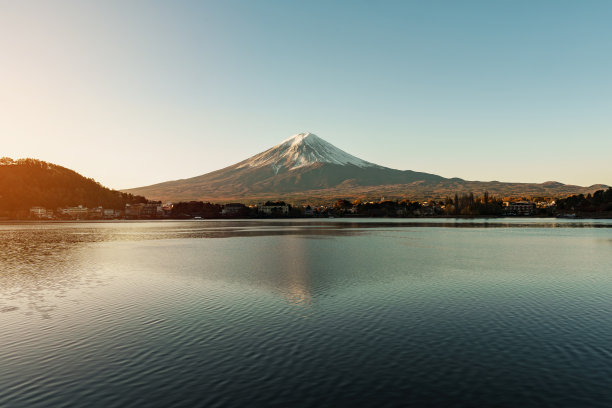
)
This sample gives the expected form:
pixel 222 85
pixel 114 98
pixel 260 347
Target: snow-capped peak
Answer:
pixel 303 149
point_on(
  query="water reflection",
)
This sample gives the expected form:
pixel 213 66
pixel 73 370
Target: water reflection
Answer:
pixel 41 263
pixel 38 267
pixel 295 262
pixel 395 311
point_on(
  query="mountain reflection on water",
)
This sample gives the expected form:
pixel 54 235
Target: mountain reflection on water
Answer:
pixel 505 312
pixel 42 261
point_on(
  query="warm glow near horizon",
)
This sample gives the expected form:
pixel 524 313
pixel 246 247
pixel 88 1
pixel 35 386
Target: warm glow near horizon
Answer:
pixel 137 93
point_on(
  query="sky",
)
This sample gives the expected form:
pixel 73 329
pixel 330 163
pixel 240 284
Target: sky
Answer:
pixel 133 93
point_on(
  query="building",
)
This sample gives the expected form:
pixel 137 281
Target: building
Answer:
pixel 151 210
pixel 109 213
pixel 96 213
pixel 274 209
pixel 40 212
pixel 234 209
pixel 167 209
pixel 77 213
pixel 519 208
pixel 133 210
pixel 308 211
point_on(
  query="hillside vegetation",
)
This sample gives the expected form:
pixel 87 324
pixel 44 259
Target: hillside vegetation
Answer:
pixel 598 202
pixel 25 183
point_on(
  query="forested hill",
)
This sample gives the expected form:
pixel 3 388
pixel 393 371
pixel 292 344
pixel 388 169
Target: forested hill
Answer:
pixel 26 183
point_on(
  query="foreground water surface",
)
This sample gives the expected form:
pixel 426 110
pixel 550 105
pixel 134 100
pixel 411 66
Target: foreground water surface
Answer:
pixel 307 313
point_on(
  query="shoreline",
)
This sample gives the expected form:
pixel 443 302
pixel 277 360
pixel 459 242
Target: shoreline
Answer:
pixel 98 221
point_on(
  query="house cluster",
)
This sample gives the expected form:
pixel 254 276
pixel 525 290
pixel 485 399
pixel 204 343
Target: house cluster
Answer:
pixel 158 210
pixel 131 211
pixel 267 209
pixel 186 210
pixel 385 208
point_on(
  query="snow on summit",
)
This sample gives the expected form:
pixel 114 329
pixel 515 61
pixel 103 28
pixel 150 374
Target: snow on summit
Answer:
pixel 303 149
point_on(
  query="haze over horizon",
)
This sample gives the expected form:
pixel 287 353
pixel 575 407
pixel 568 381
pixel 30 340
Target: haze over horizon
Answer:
pixel 145 92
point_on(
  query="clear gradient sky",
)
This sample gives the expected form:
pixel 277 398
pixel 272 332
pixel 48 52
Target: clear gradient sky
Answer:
pixel 137 92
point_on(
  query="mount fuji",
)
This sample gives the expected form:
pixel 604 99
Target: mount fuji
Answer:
pixel 306 168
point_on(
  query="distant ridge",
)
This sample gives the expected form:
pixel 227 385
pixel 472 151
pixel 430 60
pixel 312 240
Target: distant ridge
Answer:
pixel 305 167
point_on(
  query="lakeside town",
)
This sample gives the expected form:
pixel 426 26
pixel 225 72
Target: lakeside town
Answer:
pixel 31 189
pixel 599 204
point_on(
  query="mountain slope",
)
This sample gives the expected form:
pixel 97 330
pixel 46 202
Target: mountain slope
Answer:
pixel 26 183
pixel 307 168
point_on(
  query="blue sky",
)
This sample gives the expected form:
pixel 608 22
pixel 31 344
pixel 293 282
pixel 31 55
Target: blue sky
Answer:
pixel 133 93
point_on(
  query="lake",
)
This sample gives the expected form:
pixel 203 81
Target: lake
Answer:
pixel 338 312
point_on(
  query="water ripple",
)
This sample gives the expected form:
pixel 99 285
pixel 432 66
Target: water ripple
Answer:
pixel 266 314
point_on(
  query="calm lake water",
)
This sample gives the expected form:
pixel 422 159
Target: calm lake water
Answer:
pixel 473 313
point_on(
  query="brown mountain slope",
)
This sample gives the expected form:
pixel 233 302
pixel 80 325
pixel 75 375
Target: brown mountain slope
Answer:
pixel 26 183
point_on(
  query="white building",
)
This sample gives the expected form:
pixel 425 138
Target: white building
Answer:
pixel 38 212
pixel 75 212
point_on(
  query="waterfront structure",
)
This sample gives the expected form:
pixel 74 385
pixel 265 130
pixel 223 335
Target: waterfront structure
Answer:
pixel 96 213
pixel 40 212
pixel 519 207
pixel 308 211
pixel 274 209
pixel 233 209
pixel 109 213
pixel 133 210
pixel 79 212
pixel 151 210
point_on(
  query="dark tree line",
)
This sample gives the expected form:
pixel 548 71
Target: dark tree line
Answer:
pixel 26 183
pixel 460 204
pixel 468 204
pixel 386 208
pixel 599 201
pixel 196 209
